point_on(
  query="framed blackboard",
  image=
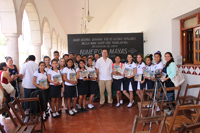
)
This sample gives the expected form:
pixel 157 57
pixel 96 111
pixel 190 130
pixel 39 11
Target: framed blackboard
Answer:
pixel 116 44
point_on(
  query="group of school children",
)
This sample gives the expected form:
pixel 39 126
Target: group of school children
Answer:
pixel 74 80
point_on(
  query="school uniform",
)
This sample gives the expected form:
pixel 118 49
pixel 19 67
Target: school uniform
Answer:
pixel 70 89
pixel 158 66
pixel 118 80
pixel 82 85
pixel 129 83
pixel 140 71
pixel 92 84
pixel 41 79
pixel 55 90
pixel 149 83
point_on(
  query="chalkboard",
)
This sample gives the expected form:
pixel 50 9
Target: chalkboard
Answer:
pixel 116 44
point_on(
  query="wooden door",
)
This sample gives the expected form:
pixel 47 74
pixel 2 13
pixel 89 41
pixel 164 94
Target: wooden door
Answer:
pixel 188 46
pixel 196 33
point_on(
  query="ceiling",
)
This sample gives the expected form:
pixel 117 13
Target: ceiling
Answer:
pixel 69 13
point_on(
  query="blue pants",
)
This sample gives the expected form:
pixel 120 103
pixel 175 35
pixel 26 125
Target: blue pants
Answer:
pixel 27 94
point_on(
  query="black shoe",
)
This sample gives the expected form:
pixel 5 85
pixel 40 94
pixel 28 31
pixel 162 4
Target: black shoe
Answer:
pixel 6 115
pixel 80 110
pixel 85 110
pixel 66 110
pixel 60 111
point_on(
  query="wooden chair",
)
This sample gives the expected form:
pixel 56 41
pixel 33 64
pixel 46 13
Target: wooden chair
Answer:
pixel 27 119
pixel 165 104
pixel 142 106
pixel 189 99
pixel 137 120
pixel 174 123
pixel 190 127
pixel 19 129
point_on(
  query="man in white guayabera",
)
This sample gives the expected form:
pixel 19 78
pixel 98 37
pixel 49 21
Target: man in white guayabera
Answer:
pixel 104 70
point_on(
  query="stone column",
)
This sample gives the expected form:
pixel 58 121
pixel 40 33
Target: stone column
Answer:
pixel 12 47
pixel 37 52
pixel 48 52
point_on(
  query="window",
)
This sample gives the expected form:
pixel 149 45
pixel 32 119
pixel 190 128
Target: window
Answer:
pixel 190 39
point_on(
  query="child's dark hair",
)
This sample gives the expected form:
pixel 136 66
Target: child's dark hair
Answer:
pixel 53 61
pixel 72 62
pixel 78 55
pixel 41 63
pixel 171 60
pixel 140 56
pixel 158 53
pixel 118 56
pixel 84 56
pixel 71 53
pixel 55 52
pixel 31 58
pixel 150 57
pixel 2 64
pixel 46 57
pixel 7 58
pixel 80 62
pixel 65 55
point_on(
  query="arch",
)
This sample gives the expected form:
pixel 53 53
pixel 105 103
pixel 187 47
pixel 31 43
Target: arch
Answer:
pixel 54 40
pixel 46 41
pixel 30 7
pixel 46 32
pixel 59 43
pixel 8 16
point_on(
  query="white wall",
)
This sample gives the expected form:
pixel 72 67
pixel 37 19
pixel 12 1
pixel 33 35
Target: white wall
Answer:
pixel 45 10
pixel 158 20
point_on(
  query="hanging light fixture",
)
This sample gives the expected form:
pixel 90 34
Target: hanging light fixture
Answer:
pixel 84 30
pixel 88 18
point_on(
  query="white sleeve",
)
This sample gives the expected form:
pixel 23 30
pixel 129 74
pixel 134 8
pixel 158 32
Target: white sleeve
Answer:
pixel 97 64
pixel 134 65
pixel 160 66
pixel 23 69
pixel 35 74
pixel 49 72
pixel 77 69
pixel 143 65
pixel 64 71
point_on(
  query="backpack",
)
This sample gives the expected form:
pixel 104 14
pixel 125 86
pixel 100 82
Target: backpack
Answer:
pixel 34 106
pixel 120 64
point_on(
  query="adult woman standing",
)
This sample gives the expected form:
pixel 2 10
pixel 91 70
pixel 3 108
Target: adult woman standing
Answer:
pixel 13 70
pixel 170 69
pixel 5 79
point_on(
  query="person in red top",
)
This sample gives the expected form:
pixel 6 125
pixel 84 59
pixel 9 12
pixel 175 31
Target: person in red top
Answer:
pixel 6 79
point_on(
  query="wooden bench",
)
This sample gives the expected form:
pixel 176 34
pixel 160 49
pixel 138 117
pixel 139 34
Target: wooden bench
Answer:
pixel 16 129
pixel 137 120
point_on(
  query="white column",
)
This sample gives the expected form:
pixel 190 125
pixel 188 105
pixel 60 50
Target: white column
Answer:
pixel 48 52
pixel 12 47
pixel 37 52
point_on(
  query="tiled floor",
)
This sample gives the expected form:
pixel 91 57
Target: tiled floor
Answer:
pixel 99 120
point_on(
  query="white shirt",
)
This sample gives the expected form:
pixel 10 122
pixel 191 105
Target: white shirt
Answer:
pixel 55 75
pixel 68 72
pixel 149 68
pixel 91 69
pixel 140 68
pixel 27 70
pixel 131 66
pixel 158 66
pixel 46 69
pixel 80 76
pixel 105 68
pixel 121 65
pixel 40 76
